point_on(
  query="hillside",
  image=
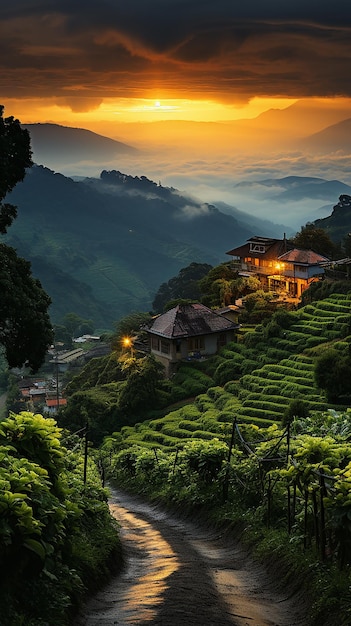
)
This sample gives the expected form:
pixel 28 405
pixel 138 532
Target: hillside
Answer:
pixel 296 188
pixel 338 224
pixel 253 380
pixel 54 145
pixel 102 247
pixel 260 452
pixel 334 138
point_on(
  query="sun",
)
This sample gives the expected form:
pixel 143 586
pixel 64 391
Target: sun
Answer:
pixel 157 104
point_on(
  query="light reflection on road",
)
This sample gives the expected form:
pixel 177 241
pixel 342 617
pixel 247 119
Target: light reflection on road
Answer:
pixel 150 561
pixel 199 579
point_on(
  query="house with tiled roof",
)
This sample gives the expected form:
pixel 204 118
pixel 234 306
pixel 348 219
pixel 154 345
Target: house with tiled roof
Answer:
pixel 278 264
pixel 52 405
pixel 188 331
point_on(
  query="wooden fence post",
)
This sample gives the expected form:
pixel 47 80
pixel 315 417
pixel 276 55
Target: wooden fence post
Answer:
pixel 316 521
pixel 322 517
pixel 269 502
pixel 305 520
pixel 85 454
pixel 226 478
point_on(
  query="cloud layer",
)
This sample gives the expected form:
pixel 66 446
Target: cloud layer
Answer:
pixel 81 52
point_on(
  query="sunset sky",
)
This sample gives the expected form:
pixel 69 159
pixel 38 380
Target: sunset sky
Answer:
pixel 106 61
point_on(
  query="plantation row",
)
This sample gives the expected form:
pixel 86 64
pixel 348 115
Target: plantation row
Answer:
pixel 253 381
pixel 296 479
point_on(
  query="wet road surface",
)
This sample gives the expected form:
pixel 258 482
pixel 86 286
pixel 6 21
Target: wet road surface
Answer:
pixel 178 574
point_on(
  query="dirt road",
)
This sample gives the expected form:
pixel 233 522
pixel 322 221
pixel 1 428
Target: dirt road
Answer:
pixel 178 574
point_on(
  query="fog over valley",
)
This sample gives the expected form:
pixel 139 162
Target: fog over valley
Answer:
pixel 251 165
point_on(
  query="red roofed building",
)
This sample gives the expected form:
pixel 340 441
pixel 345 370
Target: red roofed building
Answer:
pixel 300 268
pixel 278 265
pixel 53 404
pixel 188 331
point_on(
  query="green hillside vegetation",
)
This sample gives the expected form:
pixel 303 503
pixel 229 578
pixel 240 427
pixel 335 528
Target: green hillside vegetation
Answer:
pixel 58 541
pixel 254 379
pixel 262 449
pixel 254 439
pixel 247 437
pixel 102 247
pixel 338 224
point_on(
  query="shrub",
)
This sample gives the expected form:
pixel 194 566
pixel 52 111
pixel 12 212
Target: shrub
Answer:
pixel 232 387
pixel 215 392
pixel 203 401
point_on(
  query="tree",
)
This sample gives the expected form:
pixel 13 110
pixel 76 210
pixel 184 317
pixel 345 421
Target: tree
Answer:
pixel 184 286
pixel 25 327
pixel 296 408
pixel 140 390
pixel 76 325
pixel 332 373
pixel 218 286
pixel 312 238
pixel 15 157
pixel 131 324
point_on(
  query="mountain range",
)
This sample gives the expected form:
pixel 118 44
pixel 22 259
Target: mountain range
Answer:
pixel 306 125
pixel 57 146
pixel 101 247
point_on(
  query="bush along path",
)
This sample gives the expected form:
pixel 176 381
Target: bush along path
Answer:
pixel 179 572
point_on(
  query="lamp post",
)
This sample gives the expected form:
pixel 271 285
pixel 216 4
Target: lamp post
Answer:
pixel 57 383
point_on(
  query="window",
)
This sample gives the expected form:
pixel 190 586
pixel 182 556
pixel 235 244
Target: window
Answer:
pixel 160 345
pixel 155 344
pixel 165 347
pixel 222 339
pixel 196 343
pixel 256 247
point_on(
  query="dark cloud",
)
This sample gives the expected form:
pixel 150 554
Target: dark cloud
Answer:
pixel 229 50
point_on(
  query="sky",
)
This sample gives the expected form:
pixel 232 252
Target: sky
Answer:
pixel 110 61
pixel 112 66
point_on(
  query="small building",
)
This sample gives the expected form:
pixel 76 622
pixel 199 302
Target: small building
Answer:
pixel 63 360
pixel 188 331
pixel 52 405
pixel 230 312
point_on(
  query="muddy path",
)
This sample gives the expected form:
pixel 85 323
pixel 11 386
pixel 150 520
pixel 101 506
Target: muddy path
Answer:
pixel 178 574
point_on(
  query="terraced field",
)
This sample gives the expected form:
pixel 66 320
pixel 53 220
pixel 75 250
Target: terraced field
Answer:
pixel 259 379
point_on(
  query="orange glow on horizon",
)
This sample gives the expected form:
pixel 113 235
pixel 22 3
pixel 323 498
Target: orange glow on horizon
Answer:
pixel 128 110
pixel 133 121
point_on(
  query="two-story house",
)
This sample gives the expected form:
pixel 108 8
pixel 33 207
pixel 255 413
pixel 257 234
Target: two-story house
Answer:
pixel 278 264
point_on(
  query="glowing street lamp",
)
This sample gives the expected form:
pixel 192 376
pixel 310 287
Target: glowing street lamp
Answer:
pixel 128 344
pixel 279 267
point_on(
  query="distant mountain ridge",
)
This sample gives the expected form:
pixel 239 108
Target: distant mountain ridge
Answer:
pixel 298 187
pixel 338 224
pixel 102 247
pixel 53 144
pixel 334 138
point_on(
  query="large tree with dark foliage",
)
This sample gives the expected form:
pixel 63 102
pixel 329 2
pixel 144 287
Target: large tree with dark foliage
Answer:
pixel 25 327
pixel 312 238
